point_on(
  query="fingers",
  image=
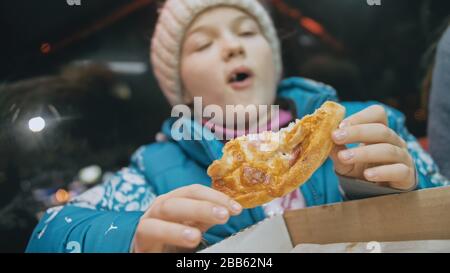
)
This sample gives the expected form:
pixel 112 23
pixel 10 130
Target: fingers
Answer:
pixel 376 153
pixel 380 146
pixel 183 209
pixel 367 133
pixel 200 192
pixel 399 176
pixel 176 218
pixel 340 168
pixel 153 234
pixel 372 114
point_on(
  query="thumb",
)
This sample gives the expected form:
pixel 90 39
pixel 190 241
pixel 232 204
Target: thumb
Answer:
pixel 339 167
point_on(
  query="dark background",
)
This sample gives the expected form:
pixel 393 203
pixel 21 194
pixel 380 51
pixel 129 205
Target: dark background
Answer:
pixel 57 56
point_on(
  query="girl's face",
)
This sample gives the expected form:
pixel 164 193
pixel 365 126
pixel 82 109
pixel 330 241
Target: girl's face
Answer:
pixel 226 60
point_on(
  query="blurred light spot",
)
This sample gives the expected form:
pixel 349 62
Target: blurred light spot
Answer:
pixel 312 25
pixel 122 92
pixel 36 124
pixel 62 196
pixel 90 175
pixel 128 67
pixel 45 48
pixel 132 68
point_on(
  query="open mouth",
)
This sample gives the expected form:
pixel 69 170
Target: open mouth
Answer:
pixel 240 78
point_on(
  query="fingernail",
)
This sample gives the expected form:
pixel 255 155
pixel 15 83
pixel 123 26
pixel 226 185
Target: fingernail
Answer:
pixel 340 134
pixel 344 124
pixel 235 206
pixel 346 155
pixel 220 213
pixel 370 174
pixel 190 234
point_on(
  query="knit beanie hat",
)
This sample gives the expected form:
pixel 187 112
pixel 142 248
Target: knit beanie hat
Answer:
pixel 175 18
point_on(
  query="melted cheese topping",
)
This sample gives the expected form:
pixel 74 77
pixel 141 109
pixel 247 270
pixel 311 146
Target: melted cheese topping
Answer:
pixel 267 146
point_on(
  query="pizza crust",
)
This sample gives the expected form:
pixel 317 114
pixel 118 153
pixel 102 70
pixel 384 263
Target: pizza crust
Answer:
pixel 258 168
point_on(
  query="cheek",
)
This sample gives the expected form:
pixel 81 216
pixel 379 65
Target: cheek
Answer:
pixel 263 58
pixel 200 75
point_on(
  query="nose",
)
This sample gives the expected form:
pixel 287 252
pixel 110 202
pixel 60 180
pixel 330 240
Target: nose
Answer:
pixel 232 48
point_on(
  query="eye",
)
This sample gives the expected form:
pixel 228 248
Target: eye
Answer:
pixel 247 33
pixel 203 46
pixel 198 42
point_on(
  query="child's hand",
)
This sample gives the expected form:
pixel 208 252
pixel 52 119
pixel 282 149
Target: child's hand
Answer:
pixel 177 219
pixel 382 155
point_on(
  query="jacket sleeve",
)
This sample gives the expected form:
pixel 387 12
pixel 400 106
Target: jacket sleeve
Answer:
pixel 102 219
pixel 426 169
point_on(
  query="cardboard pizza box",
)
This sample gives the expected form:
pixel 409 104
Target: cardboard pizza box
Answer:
pixel 421 218
pixel 425 246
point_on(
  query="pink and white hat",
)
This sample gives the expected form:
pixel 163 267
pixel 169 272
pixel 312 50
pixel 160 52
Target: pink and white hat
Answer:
pixel 175 18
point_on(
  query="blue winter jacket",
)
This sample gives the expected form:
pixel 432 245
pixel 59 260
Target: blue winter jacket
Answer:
pixel 104 218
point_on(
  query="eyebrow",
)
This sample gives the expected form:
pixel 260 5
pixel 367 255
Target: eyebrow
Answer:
pixel 204 28
pixel 197 29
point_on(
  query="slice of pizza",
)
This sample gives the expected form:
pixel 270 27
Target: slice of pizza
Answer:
pixel 258 168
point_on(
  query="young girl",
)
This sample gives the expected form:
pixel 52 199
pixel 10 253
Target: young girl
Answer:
pixel 163 202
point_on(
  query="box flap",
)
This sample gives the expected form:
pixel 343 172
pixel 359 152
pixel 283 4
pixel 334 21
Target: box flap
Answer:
pixel 418 215
pixel 431 246
pixel 269 235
